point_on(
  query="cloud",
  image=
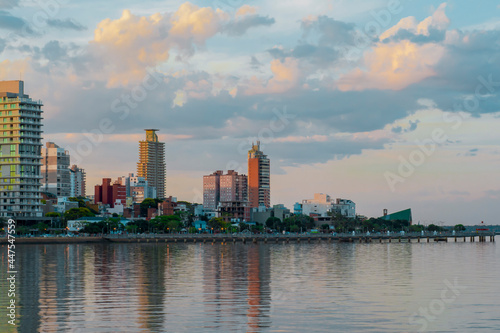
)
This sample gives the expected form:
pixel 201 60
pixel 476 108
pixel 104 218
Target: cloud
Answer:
pixel 393 66
pixel 286 75
pixel 240 25
pixel 68 24
pixel 9 70
pixel 126 46
pixel 13 23
pixel 246 10
pixel 3 43
pixel 8 4
pixel 328 31
pixel 430 29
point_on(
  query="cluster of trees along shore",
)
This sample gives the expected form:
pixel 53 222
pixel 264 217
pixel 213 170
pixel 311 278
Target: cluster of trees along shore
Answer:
pixel 183 221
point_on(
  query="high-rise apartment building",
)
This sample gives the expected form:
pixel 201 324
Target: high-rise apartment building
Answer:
pixel 151 165
pixel 211 191
pixel 20 152
pixel 55 170
pixel 78 181
pixel 218 187
pixel 259 186
pixel 233 187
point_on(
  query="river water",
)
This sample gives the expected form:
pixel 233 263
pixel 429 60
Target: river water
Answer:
pixel 317 287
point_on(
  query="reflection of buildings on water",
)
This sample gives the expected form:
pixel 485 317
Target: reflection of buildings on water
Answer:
pixel 151 287
pixel 236 286
pixel 259 291
pixel 43 286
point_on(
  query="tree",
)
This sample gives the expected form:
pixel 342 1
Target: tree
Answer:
pixel 167 223
pixel 81 202
pixel 303 222
pixel 53 214
pixel 459 227
pixel 22 230
pixel 148 203
pixel 216 223
pixel 325 227
pixel 433 227
pixel 42 227
pixel 274 223
pixel 75 213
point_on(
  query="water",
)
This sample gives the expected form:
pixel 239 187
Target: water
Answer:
pixel 317 287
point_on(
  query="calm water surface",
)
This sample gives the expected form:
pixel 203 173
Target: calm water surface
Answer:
pixel 317 287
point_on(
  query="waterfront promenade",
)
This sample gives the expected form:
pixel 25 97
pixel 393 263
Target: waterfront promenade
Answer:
pixel 485 236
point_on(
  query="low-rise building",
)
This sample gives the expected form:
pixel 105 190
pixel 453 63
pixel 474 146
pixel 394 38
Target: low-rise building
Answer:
pixel 80 223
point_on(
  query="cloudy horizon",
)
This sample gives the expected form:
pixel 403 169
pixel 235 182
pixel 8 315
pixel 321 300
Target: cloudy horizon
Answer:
pixel 392 104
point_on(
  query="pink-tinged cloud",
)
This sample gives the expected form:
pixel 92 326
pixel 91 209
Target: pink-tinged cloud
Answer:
pixel 438 21
pixel 11 69
pixel 246 10
pixel 128 45
pixel 396 65
pixel 312 138
pixel 393 66
pixel 286 75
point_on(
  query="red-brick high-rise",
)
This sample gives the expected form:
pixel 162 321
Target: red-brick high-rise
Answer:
pixel 259 186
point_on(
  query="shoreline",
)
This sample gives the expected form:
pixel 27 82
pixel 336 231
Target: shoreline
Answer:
pixel 261 238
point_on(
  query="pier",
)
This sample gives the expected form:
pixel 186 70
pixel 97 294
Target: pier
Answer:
pixel 470 237
pixel 305 238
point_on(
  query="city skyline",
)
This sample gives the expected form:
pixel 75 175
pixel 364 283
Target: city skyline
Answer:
pixel 403 118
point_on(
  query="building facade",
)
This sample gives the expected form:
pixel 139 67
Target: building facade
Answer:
pixel 137 188
pixel 211 191
pixel 151 165
pixel 259 180
pixel 322 205
pixel 219 187
pixel 110 194
pixel 55 170
pixel 78 181
pixel 20 152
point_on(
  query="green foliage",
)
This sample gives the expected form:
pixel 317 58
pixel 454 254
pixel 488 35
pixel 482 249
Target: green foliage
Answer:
pixel 166 223
pixel 42 227
pixel 459 227
pixel 75 213
pixel 192 230
pixel 138 226
pixel 217 223
pixel 148 203
pixel 106 226
pixel 22 230
pixel 53 214
pixel 274 223
pixel 325 227
pixel 303 222
pixel 81 202
pixel 433 227
pixel 416 228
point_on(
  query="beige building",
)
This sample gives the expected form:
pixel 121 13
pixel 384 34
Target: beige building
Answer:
pixel 151 165
pixel 55 170
pixel 20 152
pixel 78 180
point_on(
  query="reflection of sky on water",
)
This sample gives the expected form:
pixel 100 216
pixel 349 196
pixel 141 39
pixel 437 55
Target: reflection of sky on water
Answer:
pixel 251 287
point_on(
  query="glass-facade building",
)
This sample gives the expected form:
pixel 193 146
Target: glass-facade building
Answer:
pixel 20 152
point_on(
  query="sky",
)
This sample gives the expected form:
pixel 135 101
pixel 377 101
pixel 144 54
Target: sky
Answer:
pixel 392 104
